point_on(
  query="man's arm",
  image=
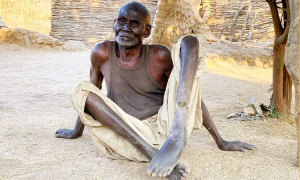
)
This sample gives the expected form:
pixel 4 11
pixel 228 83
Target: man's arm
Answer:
pixel 98 58
pixel 222 144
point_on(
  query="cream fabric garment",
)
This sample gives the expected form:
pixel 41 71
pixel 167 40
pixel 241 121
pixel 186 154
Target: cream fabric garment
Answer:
pixel 153 130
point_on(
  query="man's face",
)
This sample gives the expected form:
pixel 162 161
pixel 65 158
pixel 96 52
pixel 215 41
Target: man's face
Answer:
pixel 130 28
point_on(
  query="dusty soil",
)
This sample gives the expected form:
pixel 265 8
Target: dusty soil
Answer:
pixel 35 101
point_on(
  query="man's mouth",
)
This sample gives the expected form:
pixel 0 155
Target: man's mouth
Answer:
pixel 126 38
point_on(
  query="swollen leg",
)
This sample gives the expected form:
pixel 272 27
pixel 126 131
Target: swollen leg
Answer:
pixel 166 159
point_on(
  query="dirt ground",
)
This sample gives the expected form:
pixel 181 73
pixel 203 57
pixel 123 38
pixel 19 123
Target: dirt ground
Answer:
pixel 35 101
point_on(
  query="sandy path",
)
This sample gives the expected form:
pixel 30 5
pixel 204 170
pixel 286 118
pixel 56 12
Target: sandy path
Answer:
pixel 35 101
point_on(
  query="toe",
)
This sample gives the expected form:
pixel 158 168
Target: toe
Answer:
pixel 187 169
pixel 167 172
pixel 182 166
pixel 155 172
pixel 150 169
pixel 174 176
pixel 171 177
pixel 182 173
pixel 161 173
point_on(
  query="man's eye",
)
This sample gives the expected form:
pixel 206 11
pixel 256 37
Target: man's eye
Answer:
pixel 121 20
pixel 135 23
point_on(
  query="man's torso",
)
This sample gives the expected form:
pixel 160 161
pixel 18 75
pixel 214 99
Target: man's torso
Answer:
pixel 138 91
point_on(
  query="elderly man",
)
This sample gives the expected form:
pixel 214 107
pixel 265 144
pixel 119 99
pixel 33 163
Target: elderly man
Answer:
pixel 152 104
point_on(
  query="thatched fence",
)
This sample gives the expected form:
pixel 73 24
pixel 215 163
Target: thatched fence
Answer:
pixel 91 21
pixel 238 20
pixel 88 20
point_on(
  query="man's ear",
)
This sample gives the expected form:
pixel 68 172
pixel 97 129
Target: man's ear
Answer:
pixel 114 25
pixel 147 31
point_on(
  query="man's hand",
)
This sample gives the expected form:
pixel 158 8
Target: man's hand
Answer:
pixel 223 145
pixel 235 146
pixel 71 133
pixel 67 133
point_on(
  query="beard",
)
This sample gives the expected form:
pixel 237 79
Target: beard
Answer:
pixel 125 43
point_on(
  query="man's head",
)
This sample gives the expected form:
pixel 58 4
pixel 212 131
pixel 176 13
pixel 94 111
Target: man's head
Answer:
pixel 132 24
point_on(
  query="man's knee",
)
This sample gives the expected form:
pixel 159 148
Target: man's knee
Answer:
pixel 190 42
pixel 77 95
pixel 93 102
pixel 190 49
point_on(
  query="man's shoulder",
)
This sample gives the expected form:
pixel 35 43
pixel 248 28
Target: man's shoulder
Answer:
pixel 158 47
pixel 160 52
pixel 101 47
pixel 100 52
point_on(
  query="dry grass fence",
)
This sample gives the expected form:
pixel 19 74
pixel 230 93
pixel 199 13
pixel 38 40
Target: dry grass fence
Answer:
pixel 28 14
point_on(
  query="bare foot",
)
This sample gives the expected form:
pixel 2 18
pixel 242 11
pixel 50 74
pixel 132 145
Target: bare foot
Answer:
pixel 180 171
pixel 165 160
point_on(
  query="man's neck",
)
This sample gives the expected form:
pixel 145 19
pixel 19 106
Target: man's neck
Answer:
pixel 129 55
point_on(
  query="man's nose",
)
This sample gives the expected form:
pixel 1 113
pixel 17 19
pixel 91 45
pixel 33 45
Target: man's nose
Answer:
pixel 126 27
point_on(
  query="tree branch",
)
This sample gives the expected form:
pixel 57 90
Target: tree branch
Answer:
pixel 275 18
pixel 283 39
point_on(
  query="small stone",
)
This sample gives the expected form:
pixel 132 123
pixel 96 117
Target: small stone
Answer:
pixel 249 110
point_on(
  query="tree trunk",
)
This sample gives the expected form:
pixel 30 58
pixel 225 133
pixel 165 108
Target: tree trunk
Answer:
pixel 281 84
pixel 175 18
pixel 287 91
pixel 278 63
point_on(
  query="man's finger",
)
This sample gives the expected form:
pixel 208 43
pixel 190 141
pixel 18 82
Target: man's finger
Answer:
pixel 249 146
pixel 63 130
pixel 236 147
pixel 58 135
pixel 62 135
pixel 58 131
pixel 241 149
